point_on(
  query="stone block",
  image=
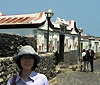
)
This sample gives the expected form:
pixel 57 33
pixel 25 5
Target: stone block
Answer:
pixel 1 80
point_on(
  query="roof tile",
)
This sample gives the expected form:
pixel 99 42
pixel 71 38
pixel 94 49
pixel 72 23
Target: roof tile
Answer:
pixel 33 18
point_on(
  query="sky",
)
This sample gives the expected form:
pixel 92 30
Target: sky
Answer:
pixel 86 13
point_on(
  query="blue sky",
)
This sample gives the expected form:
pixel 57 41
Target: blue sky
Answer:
pixel 86 13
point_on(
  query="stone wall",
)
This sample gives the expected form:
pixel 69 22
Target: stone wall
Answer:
pixel 8 67
pixel 9 43
pixel 71 57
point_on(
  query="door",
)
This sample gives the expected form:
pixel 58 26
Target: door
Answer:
pixel 62 47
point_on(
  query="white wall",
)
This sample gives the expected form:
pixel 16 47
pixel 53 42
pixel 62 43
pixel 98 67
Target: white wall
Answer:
pixel 42 41
pixel 71 43
pixel 93 45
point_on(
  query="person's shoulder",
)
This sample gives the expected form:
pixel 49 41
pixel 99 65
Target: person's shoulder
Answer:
pixel 84 53
pixel 10 81
pixel 11 78
pixel 38 75
pixel 41 78
pixel 41 75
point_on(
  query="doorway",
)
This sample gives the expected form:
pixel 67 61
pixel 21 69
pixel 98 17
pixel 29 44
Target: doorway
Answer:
pixel 61 47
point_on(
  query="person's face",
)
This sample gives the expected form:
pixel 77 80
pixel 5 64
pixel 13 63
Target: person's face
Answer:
pixel 27 62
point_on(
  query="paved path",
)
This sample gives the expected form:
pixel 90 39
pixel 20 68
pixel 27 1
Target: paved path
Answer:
pixel 69 77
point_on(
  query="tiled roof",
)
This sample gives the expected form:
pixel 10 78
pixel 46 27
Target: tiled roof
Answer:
pixel 34 18
pixel 70 23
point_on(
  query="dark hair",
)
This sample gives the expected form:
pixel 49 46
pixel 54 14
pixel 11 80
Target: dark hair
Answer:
pixel 87 51
pixel 19 63
pixel 92 52
pixel 83 50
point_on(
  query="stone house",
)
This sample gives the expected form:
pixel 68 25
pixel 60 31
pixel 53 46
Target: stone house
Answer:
pixel 90 42
pixel 63 35
pixel 38 22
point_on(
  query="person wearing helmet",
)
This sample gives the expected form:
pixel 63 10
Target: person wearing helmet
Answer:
pixel 27 61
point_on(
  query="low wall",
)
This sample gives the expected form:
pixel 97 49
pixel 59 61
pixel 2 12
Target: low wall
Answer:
pixel 71 57
pixel 10 43
pixel 8 67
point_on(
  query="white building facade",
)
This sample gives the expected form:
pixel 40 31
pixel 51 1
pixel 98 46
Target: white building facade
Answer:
pixel 90 42
pixel 38 22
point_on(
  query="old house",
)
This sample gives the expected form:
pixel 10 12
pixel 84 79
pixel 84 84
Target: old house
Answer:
pixel 63 35
pixel 90 42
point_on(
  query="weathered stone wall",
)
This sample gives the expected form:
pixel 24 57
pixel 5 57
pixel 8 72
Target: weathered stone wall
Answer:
pixel 8 67
pixel 71 57
pixel 9 43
